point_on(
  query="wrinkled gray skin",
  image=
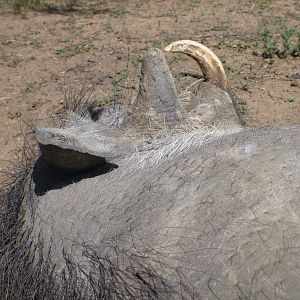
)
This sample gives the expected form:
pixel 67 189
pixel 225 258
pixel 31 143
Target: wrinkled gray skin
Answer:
pixel 196 191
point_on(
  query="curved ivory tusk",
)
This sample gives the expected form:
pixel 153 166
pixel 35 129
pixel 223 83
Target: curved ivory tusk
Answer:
pixel 209 63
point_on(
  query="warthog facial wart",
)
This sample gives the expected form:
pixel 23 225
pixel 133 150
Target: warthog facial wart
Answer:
pixel 170 197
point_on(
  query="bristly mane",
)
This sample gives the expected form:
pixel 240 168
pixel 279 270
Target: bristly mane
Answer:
pixel 26 267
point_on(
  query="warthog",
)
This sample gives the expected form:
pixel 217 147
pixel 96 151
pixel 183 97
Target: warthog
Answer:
pixel 170 197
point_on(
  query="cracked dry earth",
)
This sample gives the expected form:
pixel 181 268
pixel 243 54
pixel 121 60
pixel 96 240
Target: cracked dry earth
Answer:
pixel 43 55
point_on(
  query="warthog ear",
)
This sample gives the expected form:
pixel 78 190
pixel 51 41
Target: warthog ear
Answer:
pixel 209 63
pixel 64 152
pixel 157 103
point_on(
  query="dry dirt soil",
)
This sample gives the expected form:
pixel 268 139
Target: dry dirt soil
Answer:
pixel 48 51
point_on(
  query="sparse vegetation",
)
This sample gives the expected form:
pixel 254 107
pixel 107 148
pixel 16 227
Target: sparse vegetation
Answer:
pixel 119 76
pixel 296 49
pixel 14 115
pixel 47 5
pixel 245 86
pixel 104 101
pixel 108 27
pixel 196 19
pixel 27 4
pixel 118 88
pixel 120 11
pixel 222 26
pixel 291 99
pixel 286 40
pixel 243 106
pixel 241 46
pixel 282 47
pixel 270 46
pixel 72 50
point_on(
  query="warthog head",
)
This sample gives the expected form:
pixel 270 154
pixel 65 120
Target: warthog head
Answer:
pixel 156 113
pixel 169 197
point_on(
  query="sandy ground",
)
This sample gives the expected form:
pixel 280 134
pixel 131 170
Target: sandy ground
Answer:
pixel 43 55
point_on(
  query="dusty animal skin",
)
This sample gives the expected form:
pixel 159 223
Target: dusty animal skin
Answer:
pixel 201 208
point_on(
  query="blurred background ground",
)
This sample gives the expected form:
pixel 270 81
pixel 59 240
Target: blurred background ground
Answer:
pixel 48 47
